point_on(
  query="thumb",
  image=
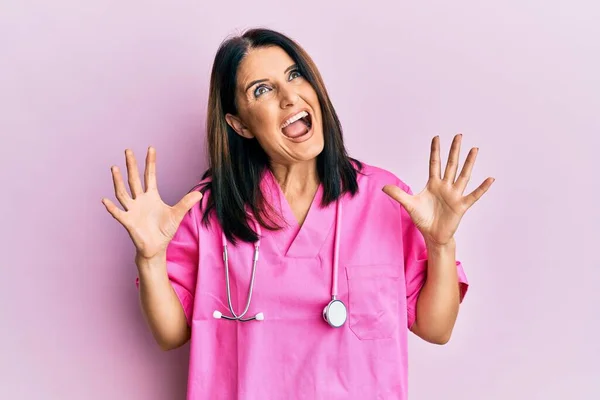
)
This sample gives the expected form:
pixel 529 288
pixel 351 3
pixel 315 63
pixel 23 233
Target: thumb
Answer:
pixel 187 202
pixel 398 194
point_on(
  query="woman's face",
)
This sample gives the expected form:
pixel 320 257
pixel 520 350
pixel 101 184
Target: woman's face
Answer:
pixel 278 107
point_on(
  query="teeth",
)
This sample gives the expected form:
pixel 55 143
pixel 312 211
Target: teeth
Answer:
pixel 295 118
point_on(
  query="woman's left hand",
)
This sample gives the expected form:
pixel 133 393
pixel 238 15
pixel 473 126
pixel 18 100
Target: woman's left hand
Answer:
pixel 438 209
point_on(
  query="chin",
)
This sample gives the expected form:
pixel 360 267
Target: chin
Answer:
pixel 308 156
pixel 309 149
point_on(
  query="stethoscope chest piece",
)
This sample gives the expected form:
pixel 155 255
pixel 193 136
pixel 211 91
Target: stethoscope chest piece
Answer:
pixel 335 313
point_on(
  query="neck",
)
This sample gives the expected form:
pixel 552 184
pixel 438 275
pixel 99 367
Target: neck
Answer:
pixel 297 179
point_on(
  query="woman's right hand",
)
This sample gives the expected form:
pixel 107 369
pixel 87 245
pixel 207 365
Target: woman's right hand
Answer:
pixel 150 222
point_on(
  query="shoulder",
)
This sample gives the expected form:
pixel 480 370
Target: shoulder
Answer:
pixel 372 176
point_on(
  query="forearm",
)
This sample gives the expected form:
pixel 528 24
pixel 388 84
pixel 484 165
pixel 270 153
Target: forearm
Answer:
pixel 160 305
pixel 438 302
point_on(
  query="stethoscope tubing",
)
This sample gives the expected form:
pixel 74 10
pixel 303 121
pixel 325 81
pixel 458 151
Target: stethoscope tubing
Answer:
pixel 260 316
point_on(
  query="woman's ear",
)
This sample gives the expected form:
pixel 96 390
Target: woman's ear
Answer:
pixel 238 126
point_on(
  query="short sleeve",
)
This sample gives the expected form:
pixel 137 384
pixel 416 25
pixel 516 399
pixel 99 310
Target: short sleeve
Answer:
pixel 415 264
pixel 182 261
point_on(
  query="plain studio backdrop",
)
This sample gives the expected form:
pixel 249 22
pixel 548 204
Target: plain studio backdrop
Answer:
pixel 82 81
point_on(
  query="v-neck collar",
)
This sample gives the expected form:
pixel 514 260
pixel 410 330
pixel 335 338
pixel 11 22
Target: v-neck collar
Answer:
pixel 293 240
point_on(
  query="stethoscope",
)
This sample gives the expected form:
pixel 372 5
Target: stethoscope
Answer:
pixel 334 313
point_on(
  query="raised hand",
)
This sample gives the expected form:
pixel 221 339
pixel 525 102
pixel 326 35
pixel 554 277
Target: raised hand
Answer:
pixel 150 222
pixel 438 209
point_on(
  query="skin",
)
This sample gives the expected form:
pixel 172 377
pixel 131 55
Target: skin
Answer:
pixel 262 107
pixel 151 224
pixel 437 211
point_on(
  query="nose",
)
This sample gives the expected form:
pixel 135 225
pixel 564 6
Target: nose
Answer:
pixel 289 96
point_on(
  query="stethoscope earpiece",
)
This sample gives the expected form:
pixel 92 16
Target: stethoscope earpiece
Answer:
pixel 258 317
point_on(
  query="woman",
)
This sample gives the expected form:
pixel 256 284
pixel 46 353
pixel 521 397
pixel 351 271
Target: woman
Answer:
pixel 294 275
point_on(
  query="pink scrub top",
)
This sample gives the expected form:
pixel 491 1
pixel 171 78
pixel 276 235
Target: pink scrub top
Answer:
pixel 294 353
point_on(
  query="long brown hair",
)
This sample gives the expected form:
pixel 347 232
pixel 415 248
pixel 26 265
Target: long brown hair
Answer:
pixel 237 163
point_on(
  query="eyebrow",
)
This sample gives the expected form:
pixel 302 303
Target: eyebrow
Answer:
pixel 264 80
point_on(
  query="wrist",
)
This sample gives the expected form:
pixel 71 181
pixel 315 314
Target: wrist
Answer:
pixel 154 263
pixel 435 248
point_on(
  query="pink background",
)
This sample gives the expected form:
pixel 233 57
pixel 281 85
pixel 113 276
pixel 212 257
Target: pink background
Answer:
pixel 80 83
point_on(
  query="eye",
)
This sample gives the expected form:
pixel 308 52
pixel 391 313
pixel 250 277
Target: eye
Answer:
pixel 262 89
pixel 295 74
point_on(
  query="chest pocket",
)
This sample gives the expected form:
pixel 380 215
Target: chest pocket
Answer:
pixel 373 292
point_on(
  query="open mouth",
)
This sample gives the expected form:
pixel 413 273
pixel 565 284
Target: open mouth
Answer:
pixel 297 125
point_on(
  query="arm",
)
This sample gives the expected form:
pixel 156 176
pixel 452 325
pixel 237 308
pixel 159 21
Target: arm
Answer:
pixel 436 212
pixel 154 227
pixel 160 305
pixel 438 301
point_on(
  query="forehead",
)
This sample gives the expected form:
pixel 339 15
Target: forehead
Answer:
pixel 263 63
